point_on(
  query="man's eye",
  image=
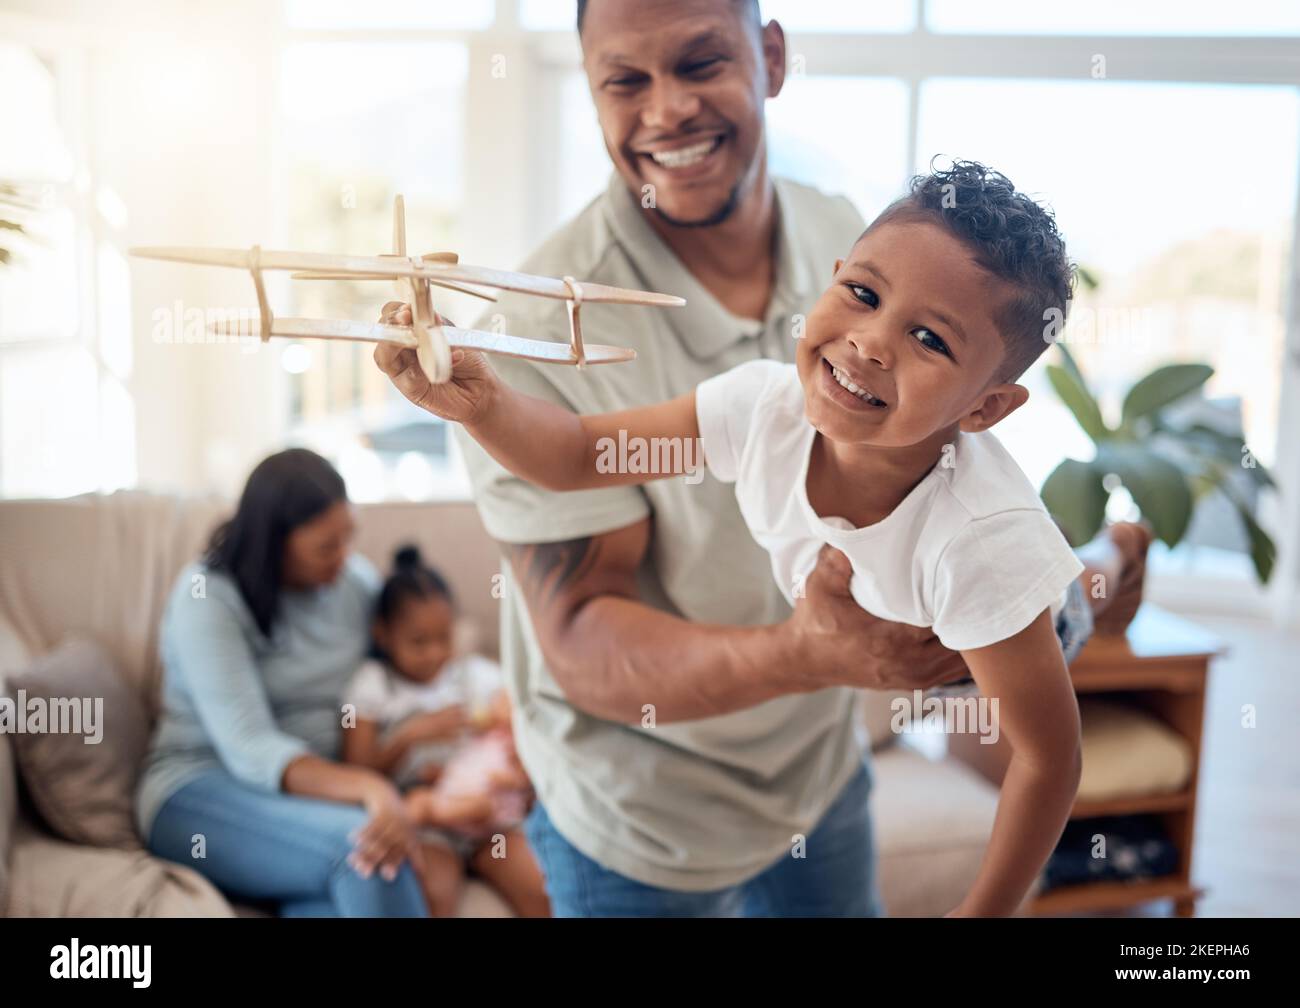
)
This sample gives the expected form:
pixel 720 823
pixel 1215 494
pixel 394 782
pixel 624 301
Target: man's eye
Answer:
pixel 701 67
pixel 931 341
pixel 865 294
pixel 624 82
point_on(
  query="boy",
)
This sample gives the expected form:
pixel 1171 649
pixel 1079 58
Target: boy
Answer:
pixel 877 442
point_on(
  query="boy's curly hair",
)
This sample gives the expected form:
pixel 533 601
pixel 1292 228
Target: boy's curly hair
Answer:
pixel 1010 236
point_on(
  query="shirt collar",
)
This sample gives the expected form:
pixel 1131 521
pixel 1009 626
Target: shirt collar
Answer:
pixel 704 327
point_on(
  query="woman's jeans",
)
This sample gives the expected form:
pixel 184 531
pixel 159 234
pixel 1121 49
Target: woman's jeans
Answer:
pixel 834 878
pixel 257 846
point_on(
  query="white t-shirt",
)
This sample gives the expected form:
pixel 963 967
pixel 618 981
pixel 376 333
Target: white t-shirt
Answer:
pixel 378 693
pixel 970 551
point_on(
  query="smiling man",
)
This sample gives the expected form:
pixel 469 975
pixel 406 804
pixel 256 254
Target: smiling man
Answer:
pixel 691 739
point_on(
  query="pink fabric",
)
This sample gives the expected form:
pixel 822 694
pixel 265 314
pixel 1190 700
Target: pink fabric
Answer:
pixel 488 765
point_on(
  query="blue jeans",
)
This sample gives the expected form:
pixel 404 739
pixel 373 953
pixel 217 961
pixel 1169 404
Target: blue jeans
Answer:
pixel 279 848
pixel 836 878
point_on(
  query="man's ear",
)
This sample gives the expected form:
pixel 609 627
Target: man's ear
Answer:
pixel 836 271
pixel 996 403
pixel 774 57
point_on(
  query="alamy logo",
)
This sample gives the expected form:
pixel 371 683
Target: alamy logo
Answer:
pixel 657 455
pixel 102 962
pixel 951 715
pixel 23 715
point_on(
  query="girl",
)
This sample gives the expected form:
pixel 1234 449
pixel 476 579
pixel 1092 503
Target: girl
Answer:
pixel 439 726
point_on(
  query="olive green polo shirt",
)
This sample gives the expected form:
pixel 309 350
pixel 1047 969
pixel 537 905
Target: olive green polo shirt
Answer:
pixel 697 805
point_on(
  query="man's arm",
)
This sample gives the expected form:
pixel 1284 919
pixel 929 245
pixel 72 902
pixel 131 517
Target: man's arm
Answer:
pixel 613 655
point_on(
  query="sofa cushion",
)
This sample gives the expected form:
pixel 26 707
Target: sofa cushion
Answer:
pixel 932 821
pixel 12 656
pixel 1128 753
pixel 8 811
pixel 101 566
pixel 54 878
pixel 80 767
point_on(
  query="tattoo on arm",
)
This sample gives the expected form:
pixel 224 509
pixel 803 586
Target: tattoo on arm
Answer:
pixel 546 569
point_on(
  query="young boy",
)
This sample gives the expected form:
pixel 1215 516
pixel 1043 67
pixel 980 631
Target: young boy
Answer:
pixel 877 442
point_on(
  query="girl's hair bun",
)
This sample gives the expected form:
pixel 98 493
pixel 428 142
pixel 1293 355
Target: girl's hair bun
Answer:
pixel 408 557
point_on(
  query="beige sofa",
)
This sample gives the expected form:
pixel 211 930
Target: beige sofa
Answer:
pixel 100 567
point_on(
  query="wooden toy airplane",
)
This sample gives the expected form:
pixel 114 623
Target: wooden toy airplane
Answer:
pixel 431 339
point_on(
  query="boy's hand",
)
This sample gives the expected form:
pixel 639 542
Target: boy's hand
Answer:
pixel 461 400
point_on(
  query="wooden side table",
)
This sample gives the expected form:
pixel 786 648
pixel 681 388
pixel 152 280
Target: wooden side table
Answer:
pixel 1160 665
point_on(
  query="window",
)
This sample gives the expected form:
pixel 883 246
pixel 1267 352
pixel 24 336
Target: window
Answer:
pixel 342 15
pixel 361 123
pixel 841 135
pixel 1188 231
pixel 1115 17
pixel 64 296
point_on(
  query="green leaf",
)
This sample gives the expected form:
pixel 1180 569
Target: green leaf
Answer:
pixel 1161 387
pixel 1075 497
pixel 1159 488
pixel 1079 400
pixel 1263 553
pixel 1071 365
pixel 1224 448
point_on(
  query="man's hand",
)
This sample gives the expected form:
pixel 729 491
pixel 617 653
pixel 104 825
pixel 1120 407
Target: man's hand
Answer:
pixel 461 400
pixel 841 644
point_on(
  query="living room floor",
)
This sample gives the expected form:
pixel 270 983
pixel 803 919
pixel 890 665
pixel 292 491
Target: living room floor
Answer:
pixel 1248 814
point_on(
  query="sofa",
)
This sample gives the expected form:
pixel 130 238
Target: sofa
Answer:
pixel 98 568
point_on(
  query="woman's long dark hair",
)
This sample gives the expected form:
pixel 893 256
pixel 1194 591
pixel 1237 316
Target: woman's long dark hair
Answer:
pixel 286 490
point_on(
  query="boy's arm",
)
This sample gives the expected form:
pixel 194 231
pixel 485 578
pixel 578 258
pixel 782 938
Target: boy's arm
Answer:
pixel 1037 709
pixel 559 450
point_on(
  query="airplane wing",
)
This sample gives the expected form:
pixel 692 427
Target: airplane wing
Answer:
pixel 450 285
pixel 471 339
pixel 371 267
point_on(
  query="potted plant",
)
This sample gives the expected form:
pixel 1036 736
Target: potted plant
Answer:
pixel 1166 465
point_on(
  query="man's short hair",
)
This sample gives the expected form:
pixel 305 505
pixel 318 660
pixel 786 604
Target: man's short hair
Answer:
pixel 752 4
pixel 1012 237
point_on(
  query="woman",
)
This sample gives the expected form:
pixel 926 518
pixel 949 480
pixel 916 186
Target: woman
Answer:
pixel 258 641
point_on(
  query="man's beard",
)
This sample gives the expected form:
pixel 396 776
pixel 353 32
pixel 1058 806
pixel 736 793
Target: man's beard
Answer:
pixel 717 217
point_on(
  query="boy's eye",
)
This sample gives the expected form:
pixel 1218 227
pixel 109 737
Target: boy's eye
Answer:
pixel 928 339
pixel 865 294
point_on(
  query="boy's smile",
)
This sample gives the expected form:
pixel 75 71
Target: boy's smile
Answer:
pixel 902 348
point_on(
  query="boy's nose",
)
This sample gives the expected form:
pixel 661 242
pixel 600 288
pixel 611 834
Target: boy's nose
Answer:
pixel 873 345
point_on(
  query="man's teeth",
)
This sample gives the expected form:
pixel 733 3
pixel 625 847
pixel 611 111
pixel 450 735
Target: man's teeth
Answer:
pixel 861 393
pixel 684 156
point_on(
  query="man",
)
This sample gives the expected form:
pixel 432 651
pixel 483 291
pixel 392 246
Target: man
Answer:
pixel 691 740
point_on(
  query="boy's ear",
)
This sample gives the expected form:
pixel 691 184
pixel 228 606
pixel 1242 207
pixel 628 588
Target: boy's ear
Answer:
pixel 836 271
pixel 996 403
